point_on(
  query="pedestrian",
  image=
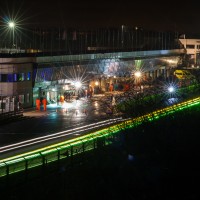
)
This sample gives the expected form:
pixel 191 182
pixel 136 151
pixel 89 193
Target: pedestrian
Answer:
pixel 38 104
pixel 111 87
pixel 44 102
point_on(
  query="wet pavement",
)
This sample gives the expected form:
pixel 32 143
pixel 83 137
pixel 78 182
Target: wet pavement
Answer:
pixel 36 123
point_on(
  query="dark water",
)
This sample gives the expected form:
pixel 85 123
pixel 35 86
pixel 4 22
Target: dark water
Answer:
pixel 157 160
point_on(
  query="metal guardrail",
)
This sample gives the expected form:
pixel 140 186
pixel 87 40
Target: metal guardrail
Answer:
pixel 91 141
pixel 5 117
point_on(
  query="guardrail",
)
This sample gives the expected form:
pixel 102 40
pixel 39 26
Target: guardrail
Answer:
pixel 91 141
pixel 6 117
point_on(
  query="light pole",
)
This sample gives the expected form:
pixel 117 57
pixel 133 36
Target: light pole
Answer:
pixel 136 36
pixel 11 25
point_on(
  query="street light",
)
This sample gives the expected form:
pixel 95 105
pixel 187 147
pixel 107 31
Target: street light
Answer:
pixel 171 93
pixel 138 76
pixel 172 98
pixel 78 84
pixel 171 89
pixel 12 25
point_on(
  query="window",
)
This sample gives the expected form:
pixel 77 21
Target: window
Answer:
pixel 28 76
pixel 2 105
pixel 10 78
pixel 4 77
pixel 189 46
pixel 15 77
pixel 21 77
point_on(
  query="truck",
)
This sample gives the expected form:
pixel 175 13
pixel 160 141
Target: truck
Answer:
pixel 185 77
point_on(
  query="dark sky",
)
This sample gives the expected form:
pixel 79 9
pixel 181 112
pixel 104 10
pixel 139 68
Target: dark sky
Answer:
pixel 162 15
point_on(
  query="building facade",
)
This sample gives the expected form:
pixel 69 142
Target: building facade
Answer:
pixel 16 83
pixel 192 47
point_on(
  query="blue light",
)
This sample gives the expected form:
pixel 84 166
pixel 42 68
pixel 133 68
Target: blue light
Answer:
pixel 171 89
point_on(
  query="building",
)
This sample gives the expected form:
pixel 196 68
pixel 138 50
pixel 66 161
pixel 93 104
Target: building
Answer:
pixel 192 47
pixel 16 82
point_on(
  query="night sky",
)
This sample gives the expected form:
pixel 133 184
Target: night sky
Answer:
pixel 164 15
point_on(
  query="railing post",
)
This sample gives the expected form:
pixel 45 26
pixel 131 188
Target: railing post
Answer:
pixel 71 156
pixel 7 170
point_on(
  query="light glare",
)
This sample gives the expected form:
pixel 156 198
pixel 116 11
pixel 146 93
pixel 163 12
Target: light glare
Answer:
pixel 171 89
pixel 11 24
pixel 78 84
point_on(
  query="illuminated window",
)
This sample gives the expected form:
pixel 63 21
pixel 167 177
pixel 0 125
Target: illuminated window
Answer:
pixel 10 78
pixel 28 76
pixel 15 77
pixel 21 77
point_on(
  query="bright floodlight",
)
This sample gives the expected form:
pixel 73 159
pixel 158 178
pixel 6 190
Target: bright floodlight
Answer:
pixel 11 24
pixel 78 84
pixel 171 89
pixel 138 74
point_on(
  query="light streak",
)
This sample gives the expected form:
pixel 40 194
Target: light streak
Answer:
pixel 58 135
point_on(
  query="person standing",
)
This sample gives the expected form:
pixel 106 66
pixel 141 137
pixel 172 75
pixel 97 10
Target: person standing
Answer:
pixel 38 104
pixel 44 102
